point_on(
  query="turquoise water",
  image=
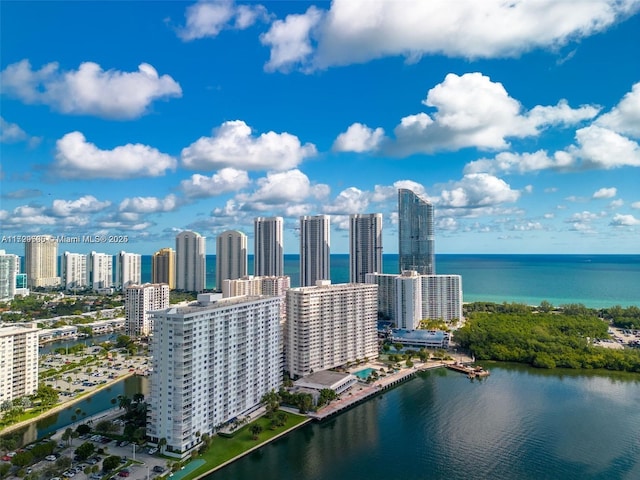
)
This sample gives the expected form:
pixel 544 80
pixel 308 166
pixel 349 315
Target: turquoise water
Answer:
pixel 364 374
pixel 517 424
pixel 594 280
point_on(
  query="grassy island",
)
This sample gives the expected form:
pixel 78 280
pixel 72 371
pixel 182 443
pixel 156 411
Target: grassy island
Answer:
pixel 547 339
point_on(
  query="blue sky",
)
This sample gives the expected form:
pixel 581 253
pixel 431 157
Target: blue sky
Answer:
pixel 520 121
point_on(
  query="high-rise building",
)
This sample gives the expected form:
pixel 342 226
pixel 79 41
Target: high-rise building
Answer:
pixel 41 261
pixel 139 300
pixel 408 298
pixel 329 325
pixel 100 270
pixel 8 273
pixel 74 271
pixel 268 250
pixel 416 244
pixel 314 249
pixel 231 256
pixel 19 365
pixel 365 245
pixel 163 267
pixel 191 253
pixel 128 269
pixel 212 361
pixel 250 285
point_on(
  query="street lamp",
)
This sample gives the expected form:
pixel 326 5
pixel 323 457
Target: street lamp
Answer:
pixel 134 451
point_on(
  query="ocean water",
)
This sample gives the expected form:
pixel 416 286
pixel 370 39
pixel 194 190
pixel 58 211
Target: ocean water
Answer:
pixel 596 281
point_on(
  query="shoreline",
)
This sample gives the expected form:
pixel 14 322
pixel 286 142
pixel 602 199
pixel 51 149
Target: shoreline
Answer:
pixel 63 406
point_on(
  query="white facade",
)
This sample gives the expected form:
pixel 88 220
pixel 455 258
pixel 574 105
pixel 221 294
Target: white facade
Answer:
pixel 212 361
pixel 128 269
pixel 250 285
pixel 139 301
pixel 100 270
pixel 191 253
pixel 231 256
pixel 163 267
pixel 18 360
pixel 268 247
pixel 365 246
pixel 41 261
pixel 8 273
pixel 329 325
pixel 439 297
pixel 74 271
pixel 314 249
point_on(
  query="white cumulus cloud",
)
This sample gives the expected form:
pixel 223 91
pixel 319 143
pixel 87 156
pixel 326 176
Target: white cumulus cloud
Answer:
pixel 601 148
pixel 357 31
pixel 359 138
pixel 291 186
pixel 471 110
pixel 225 180
pixel 605 193
pixel 83 205
pixel 11 132
pixel 232 145
pixel 350 200
pixel 90 90
pixel 209 18
pixel 620 220
pixel 477 190
pixel 625 117
pixel 77 158
pixel 149 204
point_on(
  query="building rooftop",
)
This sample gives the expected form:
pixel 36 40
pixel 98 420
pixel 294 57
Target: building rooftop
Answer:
pixel 409 335
pixel 326 378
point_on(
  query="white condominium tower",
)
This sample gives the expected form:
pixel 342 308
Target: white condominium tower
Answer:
pixel 190 262
pixel 139 300
pixel 9 269
pixel 100 270
pixel 128 269
pixel 408 298
pixel 268 247
pixel 41 261
pixel 416 244
pixel 163 267
pixel 231 256
pixel 365 245
pixel 19 365
pixel 314 249
pixel 212 362
pixel 250 285
pixel 74 271
pixel 330 325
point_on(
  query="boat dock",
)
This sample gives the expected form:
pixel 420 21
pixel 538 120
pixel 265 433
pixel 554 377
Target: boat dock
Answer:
pixel 470 371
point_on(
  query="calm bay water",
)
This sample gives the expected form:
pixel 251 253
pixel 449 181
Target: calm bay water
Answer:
pixel 594 280
pixel 520 423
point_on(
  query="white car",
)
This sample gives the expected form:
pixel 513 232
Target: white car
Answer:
pixel 51 458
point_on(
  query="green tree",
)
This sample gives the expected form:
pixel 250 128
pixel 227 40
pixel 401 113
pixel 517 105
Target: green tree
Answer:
pixel 255 430
pixel 4 469
pixel 162 443
pixel 110 463
pixel 63 462
pixel 83 429
pixel 22 459
pixel 271 400
pixel 67 435
pixel 398 346
pixel 85 450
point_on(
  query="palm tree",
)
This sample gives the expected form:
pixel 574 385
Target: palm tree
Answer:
pixel 162 443
pixel 255 430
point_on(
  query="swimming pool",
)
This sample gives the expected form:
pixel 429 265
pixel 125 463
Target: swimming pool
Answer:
pixel 364 374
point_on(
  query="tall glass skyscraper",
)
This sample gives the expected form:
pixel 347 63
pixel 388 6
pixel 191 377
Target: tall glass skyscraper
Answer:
pixel 268 247
pixel 365 245
pixel 416 239
pixel 314 249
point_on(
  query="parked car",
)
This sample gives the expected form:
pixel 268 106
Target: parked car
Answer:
pixel 158 469
pixel 95 476
pixel 50 458
pixel 123 473
pixel 7 458
pixel 152 451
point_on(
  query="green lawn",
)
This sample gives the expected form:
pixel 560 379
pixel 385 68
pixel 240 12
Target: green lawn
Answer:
pixel 223 449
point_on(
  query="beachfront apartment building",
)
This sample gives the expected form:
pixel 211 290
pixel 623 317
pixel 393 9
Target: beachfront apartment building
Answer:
pixel 231 256
pixel 314 249
pixel 268 247
pixel 250 285
pixel 100 271
pixel 365 245
pixel 329 325
pixel 128 269
pixel 73 271
pixel 416 239
pixel 163 267
pixel 139 301
pixel 41 261
pixel 191 251
pixel 212 362
pixel 18 360
pixel 9 269
pixel 408 298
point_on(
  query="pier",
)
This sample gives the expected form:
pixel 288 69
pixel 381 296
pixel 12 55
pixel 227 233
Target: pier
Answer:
pixel 471 372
